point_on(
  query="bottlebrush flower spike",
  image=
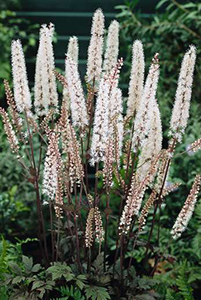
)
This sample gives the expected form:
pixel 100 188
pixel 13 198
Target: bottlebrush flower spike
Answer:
pixel 145 210
pixel 45 89
pixel 94 226
pixel 145 110
pixel 89 229
pixel 101 123
pixel 195 146
pixel 112 47
pixel 15 117
pixel 180 111
pixel 116 122
pixel 152 145
pixel 70 147
pixel 77 100
pixel 51 167
pixel 187 210
pixel 95 50
pixel 72 52
pixel 135 197
pixel 21 89
pixel 11 136
pixel 136 79
pixel 98 226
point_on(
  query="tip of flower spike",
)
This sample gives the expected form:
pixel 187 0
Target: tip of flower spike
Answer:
pixel 192 48
pixel 98 22
pixel 47 29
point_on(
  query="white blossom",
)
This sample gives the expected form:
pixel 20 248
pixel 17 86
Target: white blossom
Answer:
pixel 116 119
pixel 136 79
pixel 95 50
pixel 152 145
pixel 73 49
pixel 45 82
pixel 72 52
pixel 101 123
pixel 112 47
pixel 145 110
pixel 51 167
pixel 21 89
pixel 180 113
pixel 77 100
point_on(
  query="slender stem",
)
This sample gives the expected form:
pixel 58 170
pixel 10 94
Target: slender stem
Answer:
pixel 76 231
pixel 107 212
pixel 122 258
pixel 51 228
pixel 58 238
pixel 39 205
pixel 158 203
pixel 96 183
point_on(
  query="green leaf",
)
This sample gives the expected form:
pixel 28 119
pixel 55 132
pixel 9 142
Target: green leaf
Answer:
pixel 18 279
pixel 36 268
pixel 15 268
pixel 80 281
pixel 96 293
pixel 60 270
pixel 37 284
pixel 28 263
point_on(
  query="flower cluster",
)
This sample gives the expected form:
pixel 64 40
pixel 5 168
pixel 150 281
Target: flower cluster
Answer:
pixel 45 89
pixel 187 210
pixel 180 111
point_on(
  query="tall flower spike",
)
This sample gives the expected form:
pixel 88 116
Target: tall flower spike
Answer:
pixel 116 121
pixel 145 110
pixel 89 229
pixel 136 79
pixel 180 111
pixel 70 147
pixel 51 167
pixel 15 117
pixel 98 226
pixel 77 100
pixel 45 82
pixel 20 82
pixel 187 210
pixel 135 196
pixel 95 50
pixel 11 136
pixel 152 145
pixel 72 52
pixel 101 123
pixel 112 47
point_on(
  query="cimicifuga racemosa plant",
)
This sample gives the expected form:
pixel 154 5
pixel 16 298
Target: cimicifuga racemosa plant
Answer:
pixel 96 161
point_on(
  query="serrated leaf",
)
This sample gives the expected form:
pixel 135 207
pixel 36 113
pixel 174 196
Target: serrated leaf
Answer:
pixel 36 268
pixel 15 268
pixel 96 293
pixel 37 284
pixel 28 262
pixel 18 279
